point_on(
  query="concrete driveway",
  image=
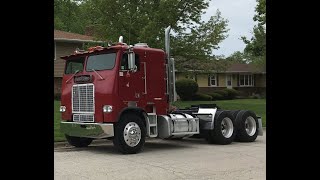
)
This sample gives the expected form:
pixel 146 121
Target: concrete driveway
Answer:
pixel 164 159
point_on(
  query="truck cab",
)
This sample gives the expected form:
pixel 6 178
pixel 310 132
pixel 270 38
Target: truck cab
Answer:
pixel 98 84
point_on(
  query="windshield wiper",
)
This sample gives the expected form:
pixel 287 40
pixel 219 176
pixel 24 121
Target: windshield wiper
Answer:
pixel 72 75
pixel 98 74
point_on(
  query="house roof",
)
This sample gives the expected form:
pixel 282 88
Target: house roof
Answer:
pixel 237 67
pixel 72 37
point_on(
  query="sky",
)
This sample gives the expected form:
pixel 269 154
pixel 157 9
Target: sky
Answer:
pixel 240 16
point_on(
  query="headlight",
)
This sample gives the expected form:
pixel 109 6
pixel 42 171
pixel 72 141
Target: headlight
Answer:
pixel 62 109
pixel 107 108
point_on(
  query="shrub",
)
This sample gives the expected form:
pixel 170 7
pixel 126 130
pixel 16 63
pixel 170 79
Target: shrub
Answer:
pixel 216 96
pixel 186 88
pixel 231 93
pixel 223 93
pixel 253 97
pixel 201 97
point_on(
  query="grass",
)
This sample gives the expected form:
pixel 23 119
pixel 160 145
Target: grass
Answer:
pixel 256 105
pixel 58 136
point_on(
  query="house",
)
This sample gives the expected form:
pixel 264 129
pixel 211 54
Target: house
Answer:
pixel 245 78
pixel 66 43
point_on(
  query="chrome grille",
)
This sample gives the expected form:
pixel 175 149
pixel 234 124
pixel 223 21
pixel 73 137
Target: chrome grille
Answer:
pixel 83 117
pixel 83 98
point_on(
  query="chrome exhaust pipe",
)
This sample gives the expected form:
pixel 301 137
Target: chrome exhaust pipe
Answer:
pixel 167 41
pixel 171 73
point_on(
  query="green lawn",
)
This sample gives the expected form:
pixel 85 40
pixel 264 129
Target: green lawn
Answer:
pixel 58 136
pixel 256 105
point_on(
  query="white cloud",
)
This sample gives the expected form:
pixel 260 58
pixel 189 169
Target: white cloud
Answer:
pixel 240 16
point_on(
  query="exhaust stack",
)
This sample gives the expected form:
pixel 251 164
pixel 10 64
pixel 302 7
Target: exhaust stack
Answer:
pixel 171 74
pixel 121 39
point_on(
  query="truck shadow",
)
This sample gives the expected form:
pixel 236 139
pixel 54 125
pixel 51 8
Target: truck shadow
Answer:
pixel 164 146
pixel 151 145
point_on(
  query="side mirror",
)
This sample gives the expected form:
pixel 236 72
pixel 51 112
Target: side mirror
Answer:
pixel 131 61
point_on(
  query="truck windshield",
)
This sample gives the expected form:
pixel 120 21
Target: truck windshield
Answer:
pixel 74 65
pixel 101 62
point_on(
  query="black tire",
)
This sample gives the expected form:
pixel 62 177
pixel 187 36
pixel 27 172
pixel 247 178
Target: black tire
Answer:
pixel 234 113
pixel 216 136
pixel 242 135
pixel 119 139
pixel 78 141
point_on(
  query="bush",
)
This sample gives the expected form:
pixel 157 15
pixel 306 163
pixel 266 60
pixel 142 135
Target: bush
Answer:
pixel 57 96
pixel 186 88
pixel 216 96
pixel 252 97
pixel 231 93
pixel 223 93
pixel 201 97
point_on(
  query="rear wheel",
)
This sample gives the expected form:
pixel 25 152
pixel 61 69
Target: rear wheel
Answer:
pixel 130 134
pixel 234 113
pixel 78 141
pixel 246 126
pixel 224 131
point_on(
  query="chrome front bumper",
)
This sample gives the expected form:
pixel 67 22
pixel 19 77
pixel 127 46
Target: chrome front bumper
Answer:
pixel 89 130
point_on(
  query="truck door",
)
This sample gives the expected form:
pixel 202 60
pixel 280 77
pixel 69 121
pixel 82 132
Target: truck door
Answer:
pixel 132 84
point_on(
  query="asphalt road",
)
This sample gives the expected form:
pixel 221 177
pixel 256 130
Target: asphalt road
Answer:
pixel 164 159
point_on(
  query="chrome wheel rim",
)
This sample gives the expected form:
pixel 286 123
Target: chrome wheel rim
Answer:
pixel 132 134
pixel 250 125
pixel 226 127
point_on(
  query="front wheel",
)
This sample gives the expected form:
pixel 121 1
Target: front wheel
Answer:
pixel 78 141
pixel 130 134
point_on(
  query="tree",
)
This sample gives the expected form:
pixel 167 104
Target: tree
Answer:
pixel 141 20
pixel 67 16
pixel 256 47
pixel 145 21
pixel 237 57
pixel 193 51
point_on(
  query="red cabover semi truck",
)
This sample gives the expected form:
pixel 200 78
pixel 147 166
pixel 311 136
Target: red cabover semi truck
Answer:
pixel 123 92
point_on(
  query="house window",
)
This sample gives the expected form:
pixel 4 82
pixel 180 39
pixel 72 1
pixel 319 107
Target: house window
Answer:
pixel 213 80
pixel 246 80
pixel 229 80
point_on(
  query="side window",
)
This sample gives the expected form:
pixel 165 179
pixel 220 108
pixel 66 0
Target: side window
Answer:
pixel 124 62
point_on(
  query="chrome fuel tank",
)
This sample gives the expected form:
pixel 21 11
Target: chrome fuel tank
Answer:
pixel 177 125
